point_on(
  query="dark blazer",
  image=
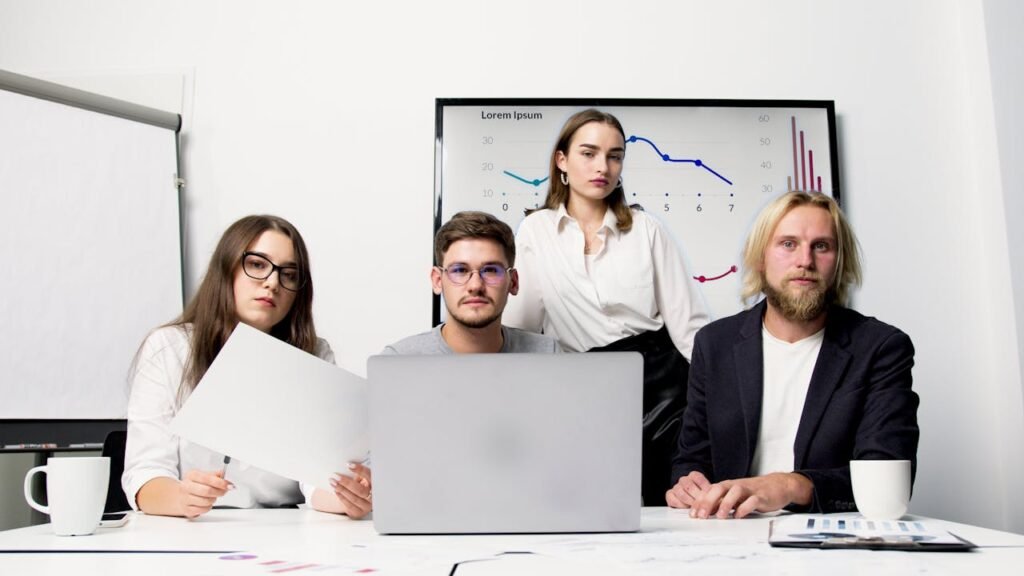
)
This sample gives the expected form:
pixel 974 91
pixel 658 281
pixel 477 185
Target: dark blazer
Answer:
pixel 859 405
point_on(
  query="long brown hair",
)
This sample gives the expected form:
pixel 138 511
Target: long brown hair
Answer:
pixel 558 193
pixel 211 312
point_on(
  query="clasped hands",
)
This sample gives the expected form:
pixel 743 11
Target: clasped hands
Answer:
pixel 739 497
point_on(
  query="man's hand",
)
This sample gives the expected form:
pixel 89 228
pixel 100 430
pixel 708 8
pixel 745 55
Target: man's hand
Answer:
pixel 758 494
pixel 199 490
pixel 687 490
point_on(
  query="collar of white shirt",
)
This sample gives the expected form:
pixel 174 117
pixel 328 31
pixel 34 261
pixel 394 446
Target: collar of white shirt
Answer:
pixel 610 222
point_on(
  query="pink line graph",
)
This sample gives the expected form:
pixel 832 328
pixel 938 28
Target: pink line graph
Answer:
pixel 702 279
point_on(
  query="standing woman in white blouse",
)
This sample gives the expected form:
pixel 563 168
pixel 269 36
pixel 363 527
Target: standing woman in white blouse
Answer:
pixel 259 274
pixel 600 276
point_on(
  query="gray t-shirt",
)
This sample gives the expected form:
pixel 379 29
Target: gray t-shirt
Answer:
pixel 431 343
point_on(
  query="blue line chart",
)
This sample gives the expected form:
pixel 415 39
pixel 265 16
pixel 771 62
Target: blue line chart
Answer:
pixel 695 161
pixel 534 182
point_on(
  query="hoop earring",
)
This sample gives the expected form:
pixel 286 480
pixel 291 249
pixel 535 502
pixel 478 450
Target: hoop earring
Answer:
pixel 564 178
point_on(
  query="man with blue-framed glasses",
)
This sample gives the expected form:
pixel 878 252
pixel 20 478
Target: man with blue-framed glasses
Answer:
pixel 475 254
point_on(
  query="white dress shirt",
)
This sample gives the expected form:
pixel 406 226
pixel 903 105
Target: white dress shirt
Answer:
pixel 636 282
pixel 152 451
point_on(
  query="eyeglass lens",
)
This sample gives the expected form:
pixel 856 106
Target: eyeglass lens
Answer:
pixel 260 268
pixel 491 274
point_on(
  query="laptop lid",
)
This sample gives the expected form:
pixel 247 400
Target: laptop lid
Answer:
pixel 491 443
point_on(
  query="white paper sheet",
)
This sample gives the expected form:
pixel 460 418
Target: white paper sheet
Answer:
pixel 271 405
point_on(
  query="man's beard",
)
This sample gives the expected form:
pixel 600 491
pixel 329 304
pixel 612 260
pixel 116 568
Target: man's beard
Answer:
pixel 801 306
pixel 475 322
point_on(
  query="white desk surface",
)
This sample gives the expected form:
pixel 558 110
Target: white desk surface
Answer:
pixel 305 541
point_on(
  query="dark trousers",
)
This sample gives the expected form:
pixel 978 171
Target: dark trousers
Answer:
pixel 665 376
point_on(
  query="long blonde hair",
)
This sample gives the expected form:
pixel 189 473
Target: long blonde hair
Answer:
pixel 848 269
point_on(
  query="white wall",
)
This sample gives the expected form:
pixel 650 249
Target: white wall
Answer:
pixel 1004 20
pixel 323 113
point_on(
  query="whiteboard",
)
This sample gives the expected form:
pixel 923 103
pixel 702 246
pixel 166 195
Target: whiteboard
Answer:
pixel 90 250
pixel 704 168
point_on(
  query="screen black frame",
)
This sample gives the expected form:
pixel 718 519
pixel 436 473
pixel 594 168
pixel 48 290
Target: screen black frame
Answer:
pixel 441 103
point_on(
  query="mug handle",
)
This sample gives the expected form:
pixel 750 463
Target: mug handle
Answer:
pixel 28 490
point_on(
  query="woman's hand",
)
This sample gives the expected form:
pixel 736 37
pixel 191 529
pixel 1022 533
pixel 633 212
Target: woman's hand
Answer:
pixel 355 493
pixel 198 490
pixel 351 496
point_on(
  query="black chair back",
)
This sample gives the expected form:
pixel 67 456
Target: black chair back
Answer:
pixel 113 448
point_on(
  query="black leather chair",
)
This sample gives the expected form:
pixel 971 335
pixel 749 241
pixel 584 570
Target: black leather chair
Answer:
pixel 113 448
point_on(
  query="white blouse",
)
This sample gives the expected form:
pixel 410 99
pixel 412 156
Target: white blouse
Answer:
pixel 152 451
pixel 636 282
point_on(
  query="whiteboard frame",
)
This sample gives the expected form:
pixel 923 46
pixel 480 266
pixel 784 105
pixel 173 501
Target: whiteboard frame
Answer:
pixel 45 435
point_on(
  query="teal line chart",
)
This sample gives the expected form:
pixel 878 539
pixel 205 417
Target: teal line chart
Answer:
pixel 535 182
pixel 666 158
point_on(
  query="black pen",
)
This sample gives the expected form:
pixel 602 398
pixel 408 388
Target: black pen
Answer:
pixel 224 472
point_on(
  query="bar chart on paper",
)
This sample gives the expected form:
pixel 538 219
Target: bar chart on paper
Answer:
pixel 703 168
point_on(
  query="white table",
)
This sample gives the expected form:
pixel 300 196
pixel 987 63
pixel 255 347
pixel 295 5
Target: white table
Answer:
pixel 668 543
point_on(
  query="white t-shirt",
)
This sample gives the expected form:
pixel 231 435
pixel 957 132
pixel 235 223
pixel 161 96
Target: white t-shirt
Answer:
pixel 152 451
pixel 787 375
pixel 635 282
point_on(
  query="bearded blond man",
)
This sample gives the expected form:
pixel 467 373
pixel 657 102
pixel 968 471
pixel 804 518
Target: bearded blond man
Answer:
pixel 783 395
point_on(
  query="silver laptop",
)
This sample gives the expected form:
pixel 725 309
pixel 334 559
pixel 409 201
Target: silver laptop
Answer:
pixel 504 443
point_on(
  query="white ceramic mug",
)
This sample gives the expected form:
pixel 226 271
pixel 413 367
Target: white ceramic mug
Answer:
pixel 76 489
pixel 881 488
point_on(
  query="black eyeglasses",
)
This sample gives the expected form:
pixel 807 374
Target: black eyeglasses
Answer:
pixel 259 267
pixel 459 274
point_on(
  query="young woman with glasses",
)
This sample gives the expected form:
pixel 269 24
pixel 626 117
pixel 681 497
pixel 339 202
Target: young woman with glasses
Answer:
pixel 599 275
pixel 259 274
